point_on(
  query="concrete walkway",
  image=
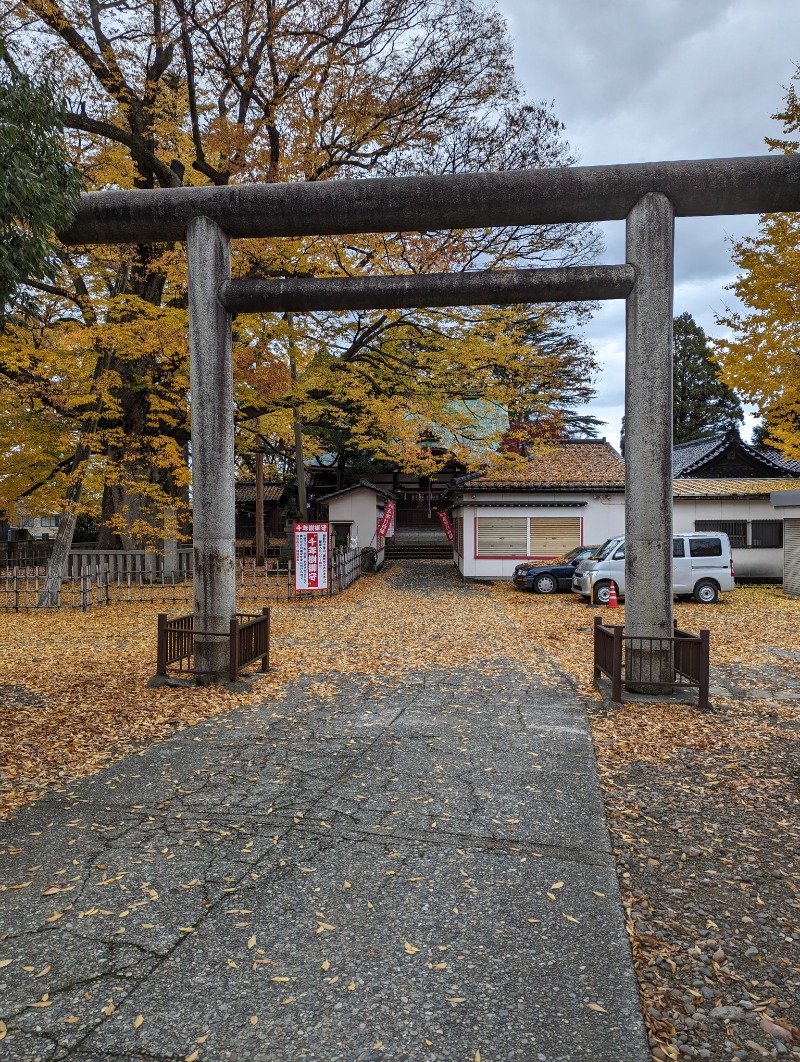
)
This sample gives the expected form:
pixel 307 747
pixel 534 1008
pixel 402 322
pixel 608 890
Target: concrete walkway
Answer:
pixel 412 870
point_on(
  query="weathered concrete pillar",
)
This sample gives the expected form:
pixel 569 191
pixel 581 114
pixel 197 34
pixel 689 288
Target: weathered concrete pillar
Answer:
pixel 648 431
pixel 211 382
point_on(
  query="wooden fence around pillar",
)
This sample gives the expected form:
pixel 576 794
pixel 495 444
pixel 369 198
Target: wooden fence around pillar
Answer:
pixel 614 651
pixel 248 636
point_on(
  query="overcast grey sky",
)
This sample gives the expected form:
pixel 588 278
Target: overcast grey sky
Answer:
pixel 649 80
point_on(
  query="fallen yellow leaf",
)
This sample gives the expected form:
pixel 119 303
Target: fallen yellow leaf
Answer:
pixel 138 1021
pixel 409 949
pixel 597 1007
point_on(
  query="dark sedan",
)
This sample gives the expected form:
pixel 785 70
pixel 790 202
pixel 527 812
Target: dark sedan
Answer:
pixel 550 578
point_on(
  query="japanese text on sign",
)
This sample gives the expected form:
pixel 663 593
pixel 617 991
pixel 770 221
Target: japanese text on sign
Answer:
pixel 386 523
pixel 311 556
pixel 444 520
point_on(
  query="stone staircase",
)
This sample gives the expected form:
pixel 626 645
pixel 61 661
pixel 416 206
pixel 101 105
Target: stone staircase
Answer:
pixel 419 545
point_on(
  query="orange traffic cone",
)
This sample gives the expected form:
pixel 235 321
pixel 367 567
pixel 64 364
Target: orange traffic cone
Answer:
pixel 612 597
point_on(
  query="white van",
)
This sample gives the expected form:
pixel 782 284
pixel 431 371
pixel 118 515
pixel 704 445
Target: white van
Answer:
pixel 701 567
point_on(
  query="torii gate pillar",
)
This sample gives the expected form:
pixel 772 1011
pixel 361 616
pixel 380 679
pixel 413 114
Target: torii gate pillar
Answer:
pixel 213 475
pixel 648 429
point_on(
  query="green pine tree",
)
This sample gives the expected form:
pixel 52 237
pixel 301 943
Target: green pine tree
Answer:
pixel 701 403
pixel 38 186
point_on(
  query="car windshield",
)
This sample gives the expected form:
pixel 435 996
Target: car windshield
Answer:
pixel 603 551
pixel 579 551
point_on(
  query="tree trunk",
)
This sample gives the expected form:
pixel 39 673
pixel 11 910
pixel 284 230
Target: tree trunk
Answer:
pixel 300 464
pixel 56 565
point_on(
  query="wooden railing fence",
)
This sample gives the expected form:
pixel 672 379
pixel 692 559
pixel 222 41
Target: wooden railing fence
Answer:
pixel 98 585
pixel 248 637
pixel 652 663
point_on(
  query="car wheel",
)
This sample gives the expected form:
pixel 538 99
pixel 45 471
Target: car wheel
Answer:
pixel 706 592
pixel 545 584
pixel 602 592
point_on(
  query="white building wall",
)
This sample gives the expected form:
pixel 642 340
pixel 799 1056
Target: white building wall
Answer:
pixel 747 563
pixel 362 509
pixel 601 516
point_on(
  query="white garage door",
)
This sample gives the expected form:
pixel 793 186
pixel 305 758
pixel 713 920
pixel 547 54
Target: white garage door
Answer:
pixel 502 536
pixel 791 557
pixel 553 536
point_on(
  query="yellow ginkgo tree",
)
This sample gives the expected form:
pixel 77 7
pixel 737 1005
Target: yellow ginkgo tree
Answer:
pixel 760 356
pixel 163 94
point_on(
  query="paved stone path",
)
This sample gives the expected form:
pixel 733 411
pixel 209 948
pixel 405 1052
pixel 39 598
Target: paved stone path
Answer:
pixel 415 869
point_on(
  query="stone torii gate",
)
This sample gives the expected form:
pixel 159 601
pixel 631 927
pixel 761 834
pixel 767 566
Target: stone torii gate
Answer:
pixel 647 196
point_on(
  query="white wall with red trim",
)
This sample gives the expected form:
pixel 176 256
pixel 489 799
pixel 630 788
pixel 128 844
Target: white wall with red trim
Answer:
pixel 601 517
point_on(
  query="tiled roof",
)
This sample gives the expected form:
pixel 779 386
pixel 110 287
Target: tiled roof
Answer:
pixel 686 455
pixel 246 492
pixel 579 465
pixel 730 488
pixel 362 484
pixel 689 456
pixel 791 466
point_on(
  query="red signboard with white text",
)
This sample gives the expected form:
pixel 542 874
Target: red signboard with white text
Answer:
pixel 386 522
pixel 444 520
pixel 311 556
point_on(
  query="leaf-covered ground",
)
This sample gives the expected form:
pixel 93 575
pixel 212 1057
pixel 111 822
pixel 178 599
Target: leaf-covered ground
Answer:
pixel 702 807
pixel 703 814
pixel 73 685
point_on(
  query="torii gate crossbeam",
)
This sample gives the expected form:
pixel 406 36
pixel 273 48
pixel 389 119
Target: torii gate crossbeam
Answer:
pixel 649 196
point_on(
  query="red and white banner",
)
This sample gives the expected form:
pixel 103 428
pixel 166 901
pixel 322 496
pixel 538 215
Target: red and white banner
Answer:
pixel 311 556
pixel 444 520
pixel 386 522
